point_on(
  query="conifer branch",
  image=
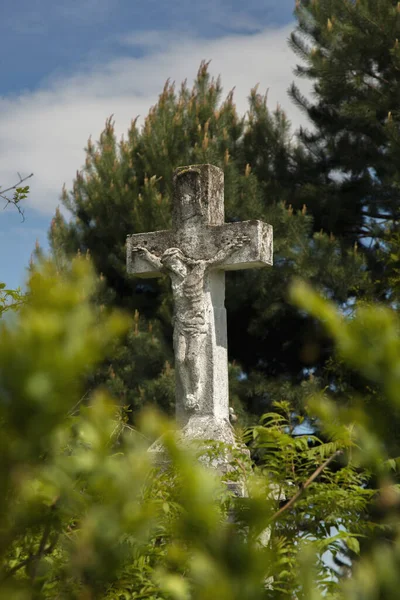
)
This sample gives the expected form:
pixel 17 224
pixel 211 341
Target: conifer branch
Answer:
pixel 351 10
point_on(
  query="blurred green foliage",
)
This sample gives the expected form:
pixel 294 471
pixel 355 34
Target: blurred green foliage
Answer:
pixel 88 514
pixel 10 299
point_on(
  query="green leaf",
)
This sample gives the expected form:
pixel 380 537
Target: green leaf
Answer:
pixel 353 544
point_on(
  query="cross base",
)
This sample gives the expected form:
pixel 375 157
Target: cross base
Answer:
pixel 208 428
pixel 217 448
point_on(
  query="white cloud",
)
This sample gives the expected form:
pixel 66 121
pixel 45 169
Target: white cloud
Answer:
pixel 45 131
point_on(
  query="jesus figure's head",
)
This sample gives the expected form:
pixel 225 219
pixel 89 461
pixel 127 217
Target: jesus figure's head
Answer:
pixel 173 260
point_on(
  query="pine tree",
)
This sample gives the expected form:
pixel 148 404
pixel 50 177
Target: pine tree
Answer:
pixel 350 53
pixel 126 188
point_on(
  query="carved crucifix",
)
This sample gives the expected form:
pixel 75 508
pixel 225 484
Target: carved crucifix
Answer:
pixel 195 254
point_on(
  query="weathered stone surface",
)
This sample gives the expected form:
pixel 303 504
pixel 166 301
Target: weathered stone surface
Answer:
pixel 195 254
pixel 157 242
pixel 255 254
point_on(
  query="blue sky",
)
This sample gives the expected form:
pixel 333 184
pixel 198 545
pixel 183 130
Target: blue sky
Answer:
pixel 68 65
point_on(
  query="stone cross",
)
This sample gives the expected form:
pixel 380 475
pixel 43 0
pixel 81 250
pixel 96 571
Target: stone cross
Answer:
pixel 195 254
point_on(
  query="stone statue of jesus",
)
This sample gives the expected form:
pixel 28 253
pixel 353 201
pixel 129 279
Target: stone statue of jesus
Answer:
pixel 188 278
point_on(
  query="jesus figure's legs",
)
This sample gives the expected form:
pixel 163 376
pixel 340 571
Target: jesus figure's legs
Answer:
pixel 194 346
pixel 187 364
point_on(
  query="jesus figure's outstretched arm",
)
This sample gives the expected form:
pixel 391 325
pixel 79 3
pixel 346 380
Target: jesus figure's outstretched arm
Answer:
pixel 229 249
pixel 146 255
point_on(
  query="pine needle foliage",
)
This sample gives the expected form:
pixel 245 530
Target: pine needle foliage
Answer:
pixel 349 51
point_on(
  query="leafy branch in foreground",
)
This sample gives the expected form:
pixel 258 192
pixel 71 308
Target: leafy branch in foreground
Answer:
pixel 368 342
pixel 87 514
pixel 20 193
pixel 10 299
